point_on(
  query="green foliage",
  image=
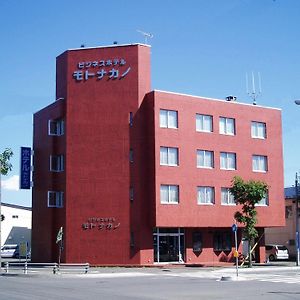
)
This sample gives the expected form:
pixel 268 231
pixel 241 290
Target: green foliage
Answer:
pixel 248 194
pixel 5 165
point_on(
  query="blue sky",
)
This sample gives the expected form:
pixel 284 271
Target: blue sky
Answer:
pixel 199 47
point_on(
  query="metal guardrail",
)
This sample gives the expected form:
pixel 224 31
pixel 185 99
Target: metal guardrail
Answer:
pixel 55 267
pixel 71 267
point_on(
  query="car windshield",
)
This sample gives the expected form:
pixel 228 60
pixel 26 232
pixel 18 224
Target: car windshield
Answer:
pixel 282 248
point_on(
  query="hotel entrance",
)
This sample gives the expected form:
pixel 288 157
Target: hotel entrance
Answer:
pixel 168 244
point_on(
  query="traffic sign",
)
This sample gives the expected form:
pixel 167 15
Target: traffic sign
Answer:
pixel 234 228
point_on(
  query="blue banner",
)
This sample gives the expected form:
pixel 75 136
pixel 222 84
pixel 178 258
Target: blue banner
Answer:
pixel 25 168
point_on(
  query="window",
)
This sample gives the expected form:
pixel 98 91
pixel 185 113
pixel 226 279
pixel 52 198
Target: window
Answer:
pixel 227 126
pixel 56 163
pixel 132 239
pixel 205 195
pixel 226 197
pixel 288 211
pixel 56 127
pixel 204 123
pixel 131 193
pixel 168 119
pixel 259 163
pixel 222 241
pixel 131 119
pixel 55 199
pixel 292 242
pixel 228 161
pixel 197 242
pixel 169 194
pixel 258 130
pixel 131 155
pixel 168 156
pixel 264 201
pixel 205 159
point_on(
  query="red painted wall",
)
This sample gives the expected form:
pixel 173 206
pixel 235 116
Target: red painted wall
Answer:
pixel 98 143
pixel 97 167
pixel 187 213
pixel 46 221
pixel 98 174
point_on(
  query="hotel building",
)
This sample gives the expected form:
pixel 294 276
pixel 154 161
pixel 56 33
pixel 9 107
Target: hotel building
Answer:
pixel 138 176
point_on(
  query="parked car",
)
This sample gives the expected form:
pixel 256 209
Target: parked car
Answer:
pixel 276 252
pixel 9 251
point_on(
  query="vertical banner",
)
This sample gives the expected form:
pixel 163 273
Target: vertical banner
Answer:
pixel 25 168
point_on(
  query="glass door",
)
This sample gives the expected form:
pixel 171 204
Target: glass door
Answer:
pixel 168 245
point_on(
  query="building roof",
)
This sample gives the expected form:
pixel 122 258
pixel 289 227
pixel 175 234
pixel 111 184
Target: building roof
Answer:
pixel 16 206
pixel 290 192
pixel 109 46
pixel 236 102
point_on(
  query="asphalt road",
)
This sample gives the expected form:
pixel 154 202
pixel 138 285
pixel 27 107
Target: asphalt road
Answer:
pixel 154 283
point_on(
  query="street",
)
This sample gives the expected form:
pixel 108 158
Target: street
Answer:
pixel 154 283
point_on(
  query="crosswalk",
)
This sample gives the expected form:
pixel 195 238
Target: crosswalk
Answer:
pixel 276 278
pixel 284 277
pixel 243 276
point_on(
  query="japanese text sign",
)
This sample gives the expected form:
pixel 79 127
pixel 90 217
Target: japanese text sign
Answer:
pixel 110 69
pixel 101 224
pixel 25 168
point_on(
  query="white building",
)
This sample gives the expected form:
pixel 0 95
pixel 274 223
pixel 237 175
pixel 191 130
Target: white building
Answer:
pixel 16 226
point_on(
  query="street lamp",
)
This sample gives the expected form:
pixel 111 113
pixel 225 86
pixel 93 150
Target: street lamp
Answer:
pixel 297 221
pixel 297 102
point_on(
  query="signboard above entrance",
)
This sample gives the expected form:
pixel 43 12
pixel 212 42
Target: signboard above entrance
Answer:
pixel 101 223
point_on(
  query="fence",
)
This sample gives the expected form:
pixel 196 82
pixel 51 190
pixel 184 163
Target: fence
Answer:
pixel 54 267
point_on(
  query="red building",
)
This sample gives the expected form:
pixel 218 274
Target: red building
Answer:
pixel 136 176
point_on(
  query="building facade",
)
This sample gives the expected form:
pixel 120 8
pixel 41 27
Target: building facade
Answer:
pixel 16 225
pixel 286 235
pixel 136 176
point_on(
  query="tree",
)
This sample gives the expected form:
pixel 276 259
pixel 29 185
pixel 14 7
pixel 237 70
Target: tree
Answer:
pixel 5 165
pixel 248 194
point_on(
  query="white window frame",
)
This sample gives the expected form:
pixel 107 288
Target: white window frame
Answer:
pixel 58 199
pixel 201 120
pixel 56 127
pixel 227 156
pixel 262 168
pixel 168 155
pixel 256 130
pixel 207 159
pixel 207 190
pixel 226 197
pixel 226 130
pixel 167 115
pixel 170 188
pixel 264 201
pixel 57 166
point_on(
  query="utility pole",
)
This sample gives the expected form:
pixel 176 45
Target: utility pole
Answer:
pixel 297 221
pixel 0 219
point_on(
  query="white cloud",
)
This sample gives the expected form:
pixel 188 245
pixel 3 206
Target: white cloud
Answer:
pixel 11 183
